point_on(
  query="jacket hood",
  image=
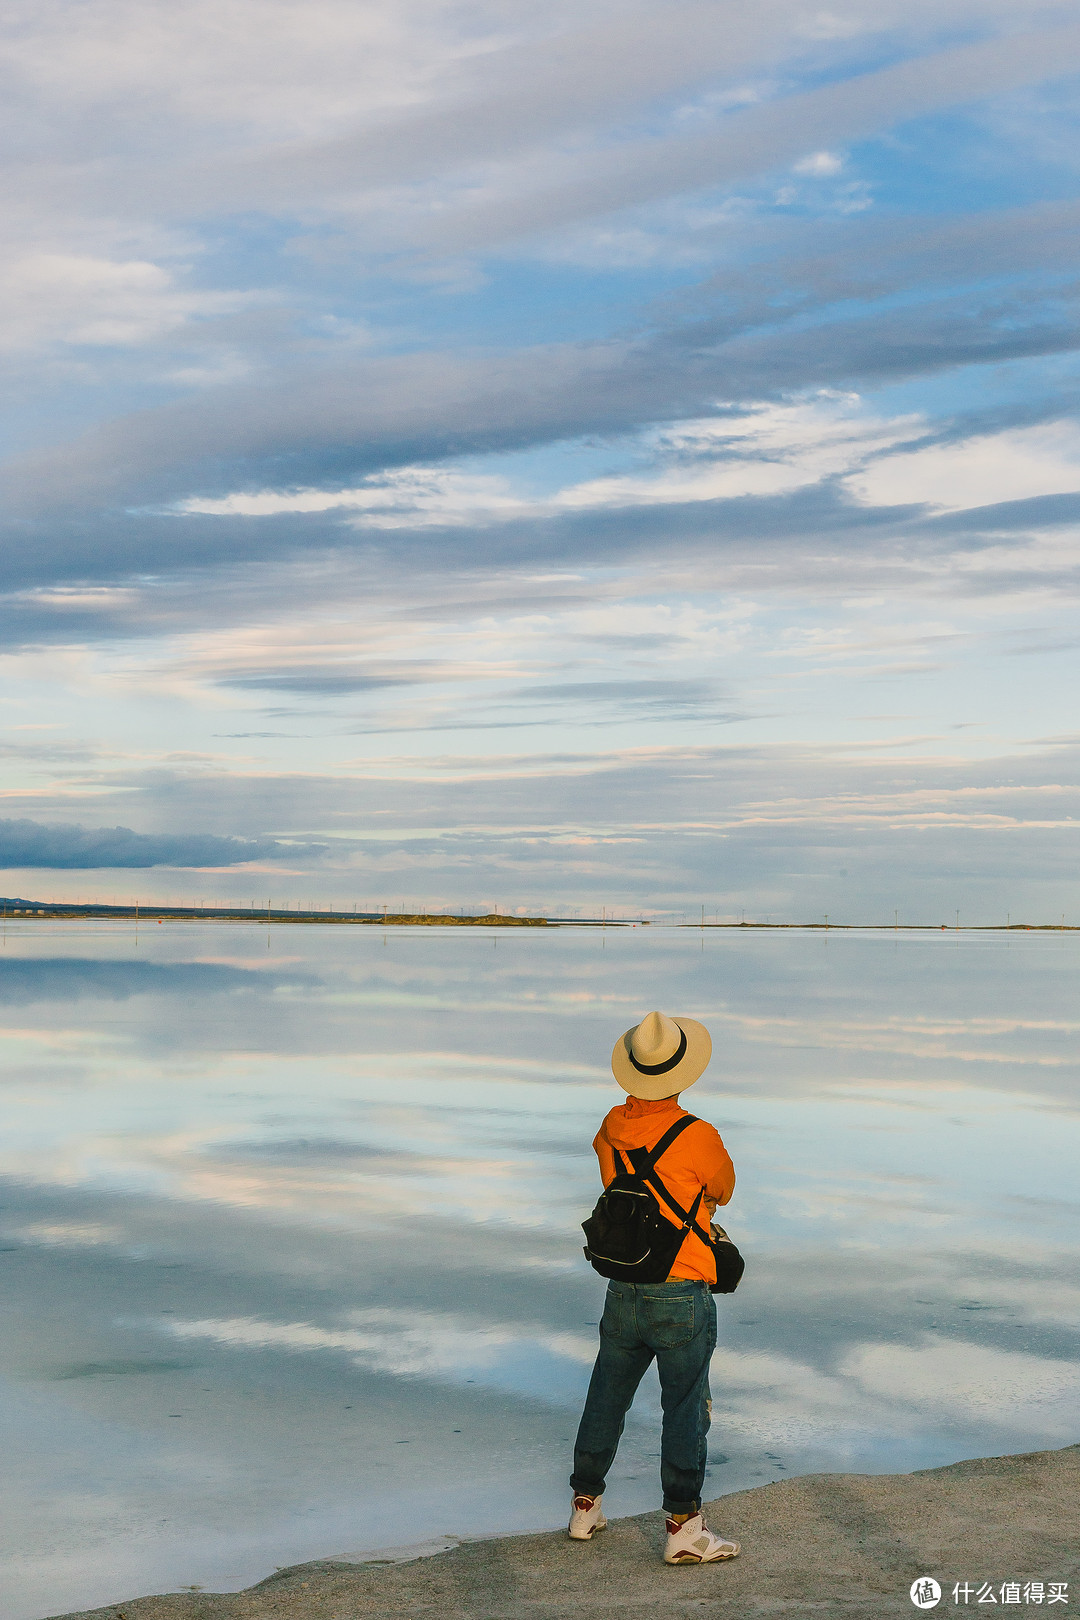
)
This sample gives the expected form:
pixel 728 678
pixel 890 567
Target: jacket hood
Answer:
pixel 635 1123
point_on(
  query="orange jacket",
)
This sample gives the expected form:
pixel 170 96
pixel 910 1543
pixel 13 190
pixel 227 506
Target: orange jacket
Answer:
pixel 697 1158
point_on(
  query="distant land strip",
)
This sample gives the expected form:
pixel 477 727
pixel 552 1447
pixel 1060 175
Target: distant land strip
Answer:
pixel 258 914
pixel 14 907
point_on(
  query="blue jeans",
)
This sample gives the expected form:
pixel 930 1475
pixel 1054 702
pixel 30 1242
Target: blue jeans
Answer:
pixel 675 1321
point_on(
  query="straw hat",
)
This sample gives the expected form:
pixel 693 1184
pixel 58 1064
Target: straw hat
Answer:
pixel 661 1056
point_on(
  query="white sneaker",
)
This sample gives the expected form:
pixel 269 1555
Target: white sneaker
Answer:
pixel 694 1543
pixel 587 1518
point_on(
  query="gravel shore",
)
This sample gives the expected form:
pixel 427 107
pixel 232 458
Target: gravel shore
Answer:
pixel 828 1544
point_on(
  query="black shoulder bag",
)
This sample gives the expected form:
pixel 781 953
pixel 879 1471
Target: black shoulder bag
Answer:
pixel 627 1236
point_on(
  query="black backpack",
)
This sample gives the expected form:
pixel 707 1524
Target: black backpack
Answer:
pixel 628 1237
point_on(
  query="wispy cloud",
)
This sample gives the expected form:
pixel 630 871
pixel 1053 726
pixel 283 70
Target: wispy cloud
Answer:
pixel 31 844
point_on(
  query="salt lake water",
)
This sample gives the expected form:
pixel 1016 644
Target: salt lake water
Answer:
pixel 289 1239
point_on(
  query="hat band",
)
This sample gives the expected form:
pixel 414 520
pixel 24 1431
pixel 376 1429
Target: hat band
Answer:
pixel 661 1068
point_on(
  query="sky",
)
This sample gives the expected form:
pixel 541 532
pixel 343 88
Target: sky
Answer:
pixel 556 458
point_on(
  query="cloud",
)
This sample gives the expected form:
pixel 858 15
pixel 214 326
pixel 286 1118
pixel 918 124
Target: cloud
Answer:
pixel 987 470
pixel 412 498
pixel 756 139
pixel 387 410
pixel 31 844
pixel 526 91
pixel 672 698
pixel 325 682
pixel 760 449
pixel 48 298
pixel 819 164
pixel 809 320
pixel 242 128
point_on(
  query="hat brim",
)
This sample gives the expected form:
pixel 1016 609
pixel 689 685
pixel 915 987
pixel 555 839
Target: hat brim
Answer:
pixel 651 1087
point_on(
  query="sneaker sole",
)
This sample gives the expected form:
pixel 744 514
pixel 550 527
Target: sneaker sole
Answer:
pixel 594 1531
pixel 692 1558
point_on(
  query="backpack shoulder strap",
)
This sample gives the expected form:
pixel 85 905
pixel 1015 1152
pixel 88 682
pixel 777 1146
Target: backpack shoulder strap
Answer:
pixel 644 1162
pixel 668 1137
pixel 687 1217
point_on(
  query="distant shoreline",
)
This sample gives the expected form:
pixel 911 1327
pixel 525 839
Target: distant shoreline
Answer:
pixel 58 910
pixel 63 910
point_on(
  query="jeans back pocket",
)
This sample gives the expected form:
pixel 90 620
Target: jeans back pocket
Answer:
pixel 669 1320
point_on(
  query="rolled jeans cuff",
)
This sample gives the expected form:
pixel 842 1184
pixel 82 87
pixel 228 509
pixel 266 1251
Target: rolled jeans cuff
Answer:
pixel 681 1507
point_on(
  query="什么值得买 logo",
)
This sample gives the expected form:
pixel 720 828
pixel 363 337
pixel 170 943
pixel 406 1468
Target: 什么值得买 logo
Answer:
pixel 926 1593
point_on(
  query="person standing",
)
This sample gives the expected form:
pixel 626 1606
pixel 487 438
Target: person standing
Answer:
pixel 674 1320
